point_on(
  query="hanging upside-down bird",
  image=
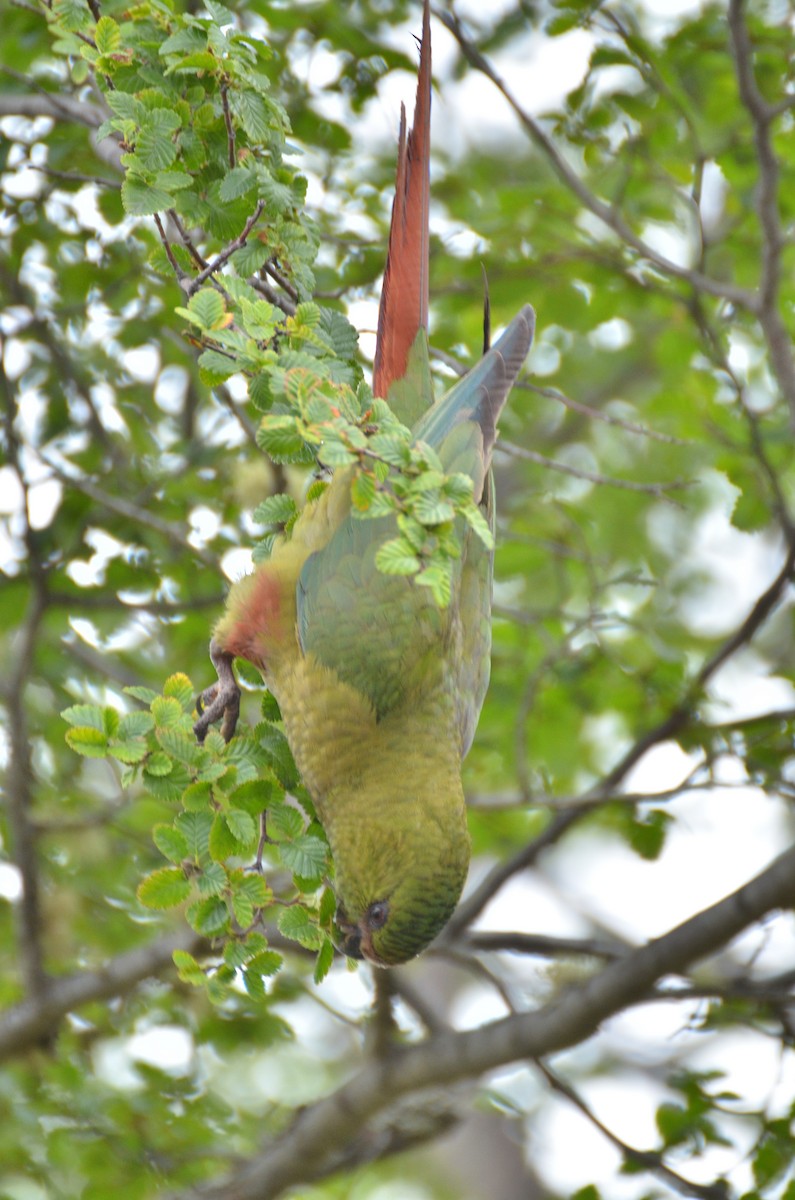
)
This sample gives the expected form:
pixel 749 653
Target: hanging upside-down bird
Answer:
pixel 379 688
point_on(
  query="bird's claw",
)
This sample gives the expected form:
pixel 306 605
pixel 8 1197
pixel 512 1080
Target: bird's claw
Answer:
pixel 219 701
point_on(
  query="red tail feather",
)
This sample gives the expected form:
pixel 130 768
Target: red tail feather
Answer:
pixel 404 297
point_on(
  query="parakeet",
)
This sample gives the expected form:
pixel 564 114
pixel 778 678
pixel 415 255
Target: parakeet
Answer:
pixel 380 689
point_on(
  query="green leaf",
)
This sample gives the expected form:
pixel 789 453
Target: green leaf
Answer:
pixel 171 843
pixel 324 960
pixel 295 924
pixel 189 970
pixel 181 689
pixel 478 523
pixel 143 200
pixel 363 490
pixel 306 856
pixel 213 880
pixel 438 577
pixel 88 741
pixel 242 827
pixel 266 963
pixel 209 916
pixel 133 750
pixel 276 510
pixel 166 711
pixel 195 828
pixel 87 715
pixel 283 822
pixel 165 888
pixel 208 308
pixel 144 694
pixel 237 182
pixel 135 724
pixel 431 509
pixel 159 764
pixel 279 437
pixel 221 843
pixel 397 557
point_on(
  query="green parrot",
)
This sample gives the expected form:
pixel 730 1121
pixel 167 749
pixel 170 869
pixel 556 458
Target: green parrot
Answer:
pixel 380 689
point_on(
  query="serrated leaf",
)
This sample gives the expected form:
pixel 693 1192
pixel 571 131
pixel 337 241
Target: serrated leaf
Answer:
pixel 392 447
pixel 222 844
pixel 197 797
pixel 335 452
pixel 241 826
pixel 340 332
pixel 166 711
pixel 431 509
pixel 216 367
pixel 324 960
pixel 142 199
pixel 145 694
pixel 295 924
pixel 135 724
pixel 207 307
pixel 154 150
pixel 86 715
pixel 306 856
pixel 478 523
pixel 279 437
pixel 253 983
pixel 252 114
pixel 164 888
pixel 181 746
pixel 107 36
pixel 181 689
pixel 276 510
pixel 267 962
pixel 213 880
pixel 255 795
pixel 237 183
pixel 188 968
pixel 209 916
pixel 195 827
pixel 133 750
pixel 397 557
pixel 88 741
pixel 171 842
pixel 438 578
pixel 363 491
pixel 159 764
pixel 283 822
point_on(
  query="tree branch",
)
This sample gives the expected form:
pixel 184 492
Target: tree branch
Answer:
pixel 35 1019
pixel 762 116
pixel 311 1148
pixel 606 213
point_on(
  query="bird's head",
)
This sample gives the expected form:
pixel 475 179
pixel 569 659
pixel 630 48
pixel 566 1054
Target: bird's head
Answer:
pixel 390 910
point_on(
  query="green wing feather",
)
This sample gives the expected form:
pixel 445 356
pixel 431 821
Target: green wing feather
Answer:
pixel 384 635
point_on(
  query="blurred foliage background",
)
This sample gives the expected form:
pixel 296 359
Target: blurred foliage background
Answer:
pixel 638 729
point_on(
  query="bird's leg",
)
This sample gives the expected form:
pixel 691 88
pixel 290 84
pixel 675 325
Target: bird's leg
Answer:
pixel 222 699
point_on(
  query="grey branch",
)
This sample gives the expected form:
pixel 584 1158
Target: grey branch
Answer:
pixel 312 1146
pixel 762 117
pixel 37 1019
pixel 606 213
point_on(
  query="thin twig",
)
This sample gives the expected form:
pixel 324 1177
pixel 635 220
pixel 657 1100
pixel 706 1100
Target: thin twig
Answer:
pixel 659 490
pixel 606 213
pixel 648 1160
pixel 224 256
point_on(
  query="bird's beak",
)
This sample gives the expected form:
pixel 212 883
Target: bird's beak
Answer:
pixel 346 936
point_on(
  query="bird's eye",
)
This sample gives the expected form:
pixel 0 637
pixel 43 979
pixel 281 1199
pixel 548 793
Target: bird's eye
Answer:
pixel 377 914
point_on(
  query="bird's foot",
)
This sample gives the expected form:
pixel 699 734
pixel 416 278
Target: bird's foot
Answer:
pixel 219 701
